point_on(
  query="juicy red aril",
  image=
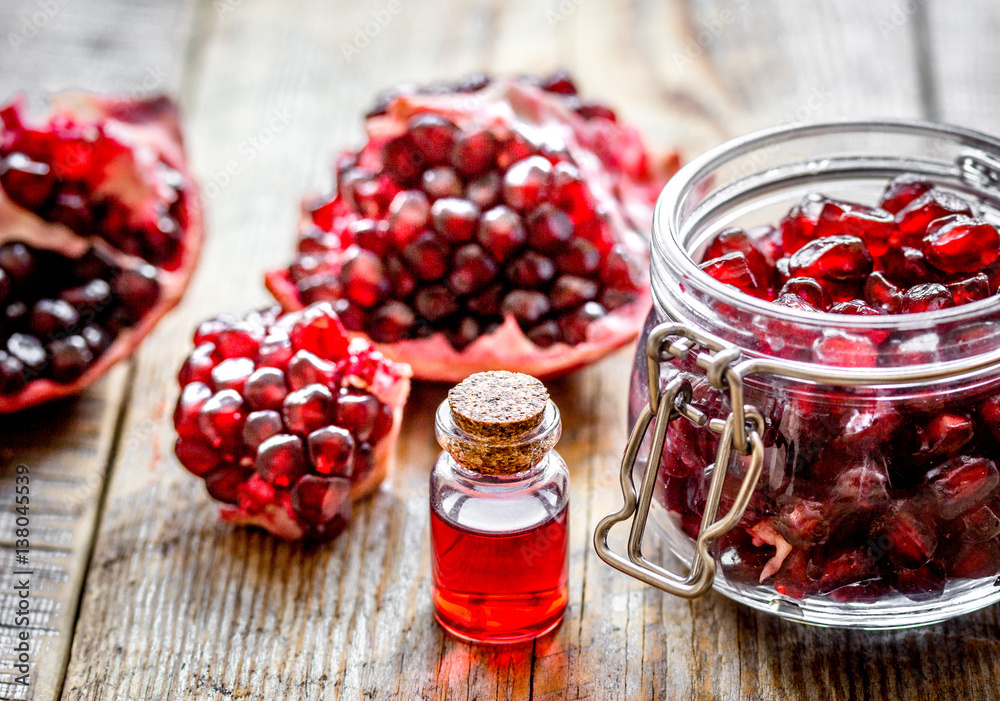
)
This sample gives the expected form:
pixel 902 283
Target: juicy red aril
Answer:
pixel 902 190
pixel 799 227
pixel 221 418
pixel 441 182
pixel 834 258
pixel 531 270
pixel 908 537
pixel 473 150
pixel 391 322
pixel 224 482
pixel 319 331
pixel 308 409
pixel 927 298
pixel 808 289
pixel 526 183
pixel 472 269
pixel 455 219
pixel 732 269
pixel 962 483
pixel 281 460
pixel 427 256
pixel 550 228
pixel 261 425
pixel 873 226
pixel 198 366
pixel 409 214
pixel 265 388
pixel 240 340
pixel 881 294
pixel 363 279
pixel 528 307
pixel 196 455
pixel 961 244
pixel 320 500
pixel 849 568
pixel 945 434
pixel 51 317
pixel 193 396
pixel 433 135
pixel 803 522
pixel 501 232
pixel 578 257
pixel 28 350
pixel 306 369
pixel 69 358
pixel 846 350
pixel 990 413
pixel 970 290
pixel 232 373
pixel 484 191
pixel 914 219
pixel 331 450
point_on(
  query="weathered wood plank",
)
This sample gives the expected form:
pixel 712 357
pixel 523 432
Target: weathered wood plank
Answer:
pixel 122 46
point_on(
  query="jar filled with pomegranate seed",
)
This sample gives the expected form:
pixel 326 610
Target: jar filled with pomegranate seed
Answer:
pixel 815 402
pixel 499 498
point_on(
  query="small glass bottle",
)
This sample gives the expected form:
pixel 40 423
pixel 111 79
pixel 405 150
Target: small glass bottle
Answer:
pixel 499 498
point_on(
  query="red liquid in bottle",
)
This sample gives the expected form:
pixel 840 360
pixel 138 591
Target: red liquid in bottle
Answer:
pixel 500 587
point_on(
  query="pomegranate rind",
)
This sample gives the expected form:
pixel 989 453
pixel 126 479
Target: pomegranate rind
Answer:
pixel 153 123
pixel 611 158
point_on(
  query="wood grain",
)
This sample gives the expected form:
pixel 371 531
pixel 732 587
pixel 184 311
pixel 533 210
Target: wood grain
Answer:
pixel 122 46
pixel 178 606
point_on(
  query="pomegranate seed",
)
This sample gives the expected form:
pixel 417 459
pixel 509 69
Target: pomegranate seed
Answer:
pixel 409 215
pixel 545 334
pixel 255 495
pixel 433 135
pixel 946 434
pixel 441 182
pixel 919 350
pixel 907 267
pixel 990 413
pixel 799 226
pixel 275 351
pixel 358 413
pixel 195 455
pixel 570 291
pixel 198 366
pixel 531 270
pixel 881 294
pixel 501 232
pixel 922 584
pixel 527 182
pixel 403 282
pixel 193 397
pixel 368 234
pixel 962 484
pixel 464 334
pixel 89 299
pixel 221 418
pixel 808 289
pixel 240 340
pixel 474 150
pixel 265 388
pixel 52 317
pixel 363 279
pixel 909 535
pixel 29 350
pixel 427 256
pixel 574 325
pixel 983 524
pixel 208 331
pixel 321 500
pixel 927 298
pixel 845 350
pixel 223 483
pixel 850 568
pixel 976 560
pixel 319 331
pixel 914 219
pixel 391 322
pixel 232 373
pixel 281 460
pixel 793 578
pixel 331 450
pixel 455 219
pixel 402 160
pixel 435 303
pixel 872 225
pixel 308 409
pixel 472 270
pixel 98 340
pixel 578 257
pixel 732 269
pixel 971 289
pixel 528 307
pixel 138 289
pixel 902 190
pixel 834 258
pixel 571 194
pixel 484 191
pixel 261 425
pixel 961 244
pixel 550 228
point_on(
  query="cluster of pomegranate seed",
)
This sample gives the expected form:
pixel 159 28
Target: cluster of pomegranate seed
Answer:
pixel 99 229
pixel 863 497
pixel 921 250
pixel 478 202
pixel 287 419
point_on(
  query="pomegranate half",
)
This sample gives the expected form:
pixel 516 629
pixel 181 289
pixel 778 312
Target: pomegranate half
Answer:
pixel 100 230
pixel 486 224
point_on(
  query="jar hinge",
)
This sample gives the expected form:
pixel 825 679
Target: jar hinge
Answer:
pixel 741 430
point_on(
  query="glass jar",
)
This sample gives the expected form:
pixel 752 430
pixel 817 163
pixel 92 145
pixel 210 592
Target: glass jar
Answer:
pixel 837 484
pixel 499 529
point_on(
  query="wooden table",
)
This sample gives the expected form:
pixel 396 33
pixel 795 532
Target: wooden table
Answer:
pixel 143 594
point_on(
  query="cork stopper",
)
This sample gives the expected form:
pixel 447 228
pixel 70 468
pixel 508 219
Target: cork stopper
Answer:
pixel 501 423
pixel 499 404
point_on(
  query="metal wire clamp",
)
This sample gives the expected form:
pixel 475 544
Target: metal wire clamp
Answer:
pixel 741 430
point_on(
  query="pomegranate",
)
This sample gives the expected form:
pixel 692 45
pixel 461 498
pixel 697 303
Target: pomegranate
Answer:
pixel 287 419
pixel 486 224
pixel 100 229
